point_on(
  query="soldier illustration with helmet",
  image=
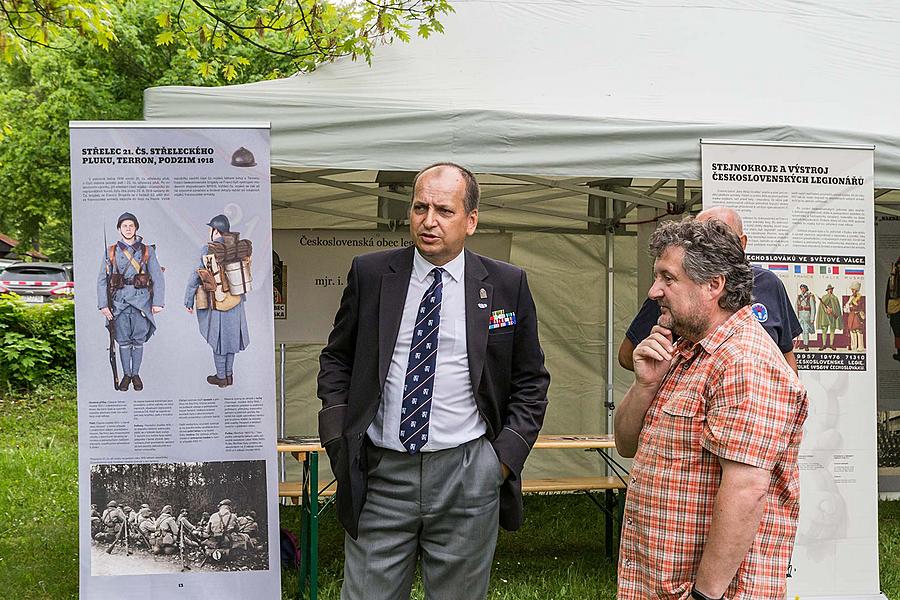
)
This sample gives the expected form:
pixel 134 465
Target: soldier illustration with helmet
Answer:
pixel 130 292
pixel 855 323
pixel 806 313
pixel 216 291
pixel 829 318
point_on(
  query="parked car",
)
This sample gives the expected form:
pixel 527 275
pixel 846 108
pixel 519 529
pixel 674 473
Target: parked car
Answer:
pixel 5 262
pixel 37 282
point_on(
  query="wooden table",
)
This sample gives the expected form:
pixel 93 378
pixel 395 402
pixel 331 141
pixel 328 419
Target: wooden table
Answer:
pixel 306 451
pixel 307 492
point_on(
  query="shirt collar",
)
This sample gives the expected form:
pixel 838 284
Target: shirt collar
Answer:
pixel 724 331
pixel 456 268
pixel 137 243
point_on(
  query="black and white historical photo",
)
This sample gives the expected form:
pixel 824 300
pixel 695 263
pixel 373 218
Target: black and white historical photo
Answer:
pixel 178 517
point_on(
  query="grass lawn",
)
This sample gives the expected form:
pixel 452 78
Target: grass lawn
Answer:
pixel 557 554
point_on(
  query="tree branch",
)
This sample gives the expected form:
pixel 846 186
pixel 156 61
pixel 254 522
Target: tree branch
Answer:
pixel 236 31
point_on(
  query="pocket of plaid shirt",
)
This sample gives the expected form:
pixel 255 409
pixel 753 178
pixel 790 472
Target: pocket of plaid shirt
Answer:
pixel 680 426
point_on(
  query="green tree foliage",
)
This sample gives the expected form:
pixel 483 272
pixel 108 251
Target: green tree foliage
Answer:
pixel 217 35
pixel 44 23
pixel 38 97
pixel 78 60
pixel 37 342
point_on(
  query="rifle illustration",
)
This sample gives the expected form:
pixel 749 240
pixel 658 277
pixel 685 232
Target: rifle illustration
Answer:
pixel 828 310
pixel 110 323
pixel 184 565
pixel 143 537
pixel 123 532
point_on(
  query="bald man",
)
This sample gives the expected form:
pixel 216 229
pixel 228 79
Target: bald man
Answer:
pixel 433 391
pixel 771 305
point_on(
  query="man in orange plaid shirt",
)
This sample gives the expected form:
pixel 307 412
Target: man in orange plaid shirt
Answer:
pixel 714 425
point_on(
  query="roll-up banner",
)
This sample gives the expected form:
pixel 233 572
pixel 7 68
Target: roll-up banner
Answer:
pixel 172 245
pixel 808 213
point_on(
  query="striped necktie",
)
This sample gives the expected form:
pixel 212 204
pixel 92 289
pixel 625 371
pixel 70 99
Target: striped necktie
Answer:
pixel 418 388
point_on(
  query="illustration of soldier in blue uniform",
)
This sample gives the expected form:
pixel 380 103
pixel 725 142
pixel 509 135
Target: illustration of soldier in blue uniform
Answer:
pixel 131 290
pixel 216 290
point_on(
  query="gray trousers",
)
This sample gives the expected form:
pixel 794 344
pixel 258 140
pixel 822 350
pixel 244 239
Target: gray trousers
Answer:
pixel 132 328
pixel 442 507
pixel 224 364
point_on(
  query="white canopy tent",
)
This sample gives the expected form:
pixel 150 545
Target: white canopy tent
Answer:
pixel 575 114
pixel 591 88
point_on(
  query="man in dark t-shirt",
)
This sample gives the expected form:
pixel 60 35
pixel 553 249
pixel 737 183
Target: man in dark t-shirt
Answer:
pixel 771 305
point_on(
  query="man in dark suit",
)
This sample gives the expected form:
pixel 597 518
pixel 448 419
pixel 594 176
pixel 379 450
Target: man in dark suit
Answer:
pixel 433 391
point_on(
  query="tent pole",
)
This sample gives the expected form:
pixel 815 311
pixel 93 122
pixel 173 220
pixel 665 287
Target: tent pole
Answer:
pixel 281 412
pixel 610 314
pixel 599 205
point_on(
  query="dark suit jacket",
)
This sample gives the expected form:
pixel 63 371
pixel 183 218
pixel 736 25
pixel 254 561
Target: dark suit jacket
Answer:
pixel 506 366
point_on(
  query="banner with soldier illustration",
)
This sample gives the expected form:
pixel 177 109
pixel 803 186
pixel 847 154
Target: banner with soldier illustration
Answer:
pixel 808 213
pixel 174 336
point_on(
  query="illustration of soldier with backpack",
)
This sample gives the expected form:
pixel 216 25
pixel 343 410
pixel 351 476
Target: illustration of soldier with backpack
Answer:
pixel 130 292
pixel 216 290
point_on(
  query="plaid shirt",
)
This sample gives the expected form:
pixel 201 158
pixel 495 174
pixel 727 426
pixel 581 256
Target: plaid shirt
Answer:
pixel 732 395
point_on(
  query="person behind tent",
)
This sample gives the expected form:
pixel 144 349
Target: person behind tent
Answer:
pixel 771 304
pixel 131 290
pixel 855 307
pixel 892 305
pixel 216 291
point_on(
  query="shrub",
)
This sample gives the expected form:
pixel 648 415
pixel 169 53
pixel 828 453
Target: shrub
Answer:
pixel 37 342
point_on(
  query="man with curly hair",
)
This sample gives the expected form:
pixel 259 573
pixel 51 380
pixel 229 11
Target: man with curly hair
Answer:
pixel 714 423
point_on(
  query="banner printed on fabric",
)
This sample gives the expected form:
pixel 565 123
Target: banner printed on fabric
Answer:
pixel 808 214
pixel 174 338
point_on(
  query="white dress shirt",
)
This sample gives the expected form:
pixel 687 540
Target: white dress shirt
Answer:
pixel 454 416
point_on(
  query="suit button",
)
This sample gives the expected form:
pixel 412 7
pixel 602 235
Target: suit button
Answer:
pixel 360 436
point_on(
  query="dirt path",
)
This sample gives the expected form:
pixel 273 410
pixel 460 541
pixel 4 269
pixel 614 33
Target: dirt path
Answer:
pixel 139 563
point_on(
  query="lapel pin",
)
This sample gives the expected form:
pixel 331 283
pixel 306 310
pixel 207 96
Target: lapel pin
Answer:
pixel 482 305
pixel 482 294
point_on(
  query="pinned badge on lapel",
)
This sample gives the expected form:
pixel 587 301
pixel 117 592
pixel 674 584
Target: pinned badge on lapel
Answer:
pixel 482 294
pixel 482 305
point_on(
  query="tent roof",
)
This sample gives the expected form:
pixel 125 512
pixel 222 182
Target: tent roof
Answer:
pixel 591 89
